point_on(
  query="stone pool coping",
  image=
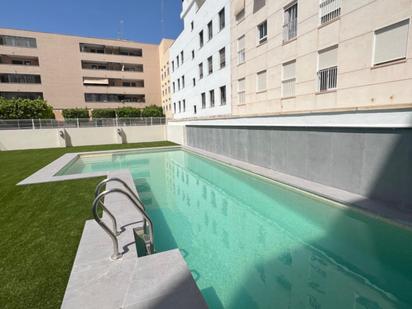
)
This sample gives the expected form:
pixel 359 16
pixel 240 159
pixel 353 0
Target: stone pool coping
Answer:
pixel 48 173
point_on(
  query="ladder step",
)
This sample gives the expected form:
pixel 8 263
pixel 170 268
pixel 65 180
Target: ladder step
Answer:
pixel 143 243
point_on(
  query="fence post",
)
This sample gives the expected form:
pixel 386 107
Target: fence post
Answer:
pixel 78 124
pixel 39 123
pixel 18 123
pixel 151 121
pixel 32 123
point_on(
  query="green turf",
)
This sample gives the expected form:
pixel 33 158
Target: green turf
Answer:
pixel 40 227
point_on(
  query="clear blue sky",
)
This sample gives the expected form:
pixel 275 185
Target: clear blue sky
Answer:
pixel 96 18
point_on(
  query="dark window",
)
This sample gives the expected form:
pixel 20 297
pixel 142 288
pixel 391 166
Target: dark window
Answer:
pixel 222 21
pixel 212 98
pixel 223 95
pixel 23 95
pixel 20 79
pixel 18 41
pixel 108 97
pixel 210 30
pixel 203 100
pixel 201 39
pixel 222 54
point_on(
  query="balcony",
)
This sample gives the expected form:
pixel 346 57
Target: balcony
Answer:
pixel 111 66
pixel 110 50
pixel 19 60
pixel 113 82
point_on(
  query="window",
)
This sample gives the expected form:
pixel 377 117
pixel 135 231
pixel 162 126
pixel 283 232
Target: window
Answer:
pixel 201 71
pixel 106 97
pixel 327 69
pixel 329 10
pixel 23 95
pixel 210 64
pixel 192 26
pixel 193 54
pixel 391 42
pixel 222 56
pixel 178 84
pixel 18 41
pixel 180 106
pixel 210 30
pixel 262 32
pixel 183 81
pixel 184 106
pixel 241 54
pixel 239 6
pixel 174 87
pixel 174 108
pixel 194 82
pixel 177 61
pixel 241 87
pixel 173 66
pixel 20 79
pixel 290 22
pixel 212 98
pixel 289 79
pixel 222 20
pixel 182 56
pixel 201 41
pixel 203 100
pixel 258 4
pixel 223 95
pixel 194 109
pixel 261 81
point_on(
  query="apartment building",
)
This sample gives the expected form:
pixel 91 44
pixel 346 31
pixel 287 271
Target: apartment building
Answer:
pixel 320 55
pixel 164 56
pixel 70 71
pixel 200 61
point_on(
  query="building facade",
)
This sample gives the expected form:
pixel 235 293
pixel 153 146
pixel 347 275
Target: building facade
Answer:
pixel 320 56
pixel 164 56
pixel 200 61
pixel 78 72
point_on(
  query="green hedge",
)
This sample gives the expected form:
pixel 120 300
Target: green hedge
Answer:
pixel 128 112
pixel 72 113
pixel 104 113
pixel 18 108
pixel 152 111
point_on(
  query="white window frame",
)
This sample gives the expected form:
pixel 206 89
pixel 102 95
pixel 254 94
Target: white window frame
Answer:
pixel 263 39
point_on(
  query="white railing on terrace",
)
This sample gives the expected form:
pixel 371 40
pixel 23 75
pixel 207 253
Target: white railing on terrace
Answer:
pixel 329 10
pixel 327 79
pixel 33 124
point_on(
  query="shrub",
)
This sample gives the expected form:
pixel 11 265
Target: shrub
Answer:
pixel 152 111
pixel 104 113
pixel 128 112
pixel 18 108
pixel 72 113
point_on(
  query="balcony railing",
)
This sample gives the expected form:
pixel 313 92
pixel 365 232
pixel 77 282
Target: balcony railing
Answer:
pixel 327 79
pixel 329 10
pixel 33 124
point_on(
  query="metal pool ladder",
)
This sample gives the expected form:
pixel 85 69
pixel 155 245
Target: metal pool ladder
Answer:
pixel 146 234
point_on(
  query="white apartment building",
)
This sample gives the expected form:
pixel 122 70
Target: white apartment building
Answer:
pixel 200 61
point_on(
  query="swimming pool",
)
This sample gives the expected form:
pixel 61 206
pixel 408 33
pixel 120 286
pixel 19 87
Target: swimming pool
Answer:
pixel 251 242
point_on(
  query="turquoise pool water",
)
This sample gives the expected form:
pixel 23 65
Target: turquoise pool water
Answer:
pixel 252 243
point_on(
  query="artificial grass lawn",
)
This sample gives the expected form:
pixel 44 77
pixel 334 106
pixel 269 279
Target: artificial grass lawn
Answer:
pixel 40 227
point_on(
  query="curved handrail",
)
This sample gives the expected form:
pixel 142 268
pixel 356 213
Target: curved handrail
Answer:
pixel 116 254
pixel 98 190
pixel 104 181
pixel 138 206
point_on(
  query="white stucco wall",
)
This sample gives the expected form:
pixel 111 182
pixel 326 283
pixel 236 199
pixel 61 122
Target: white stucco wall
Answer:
pixel 50 138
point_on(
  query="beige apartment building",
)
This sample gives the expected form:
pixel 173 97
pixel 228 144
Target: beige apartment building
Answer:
pixel 71 71
pixel 320 55
pixel 164 56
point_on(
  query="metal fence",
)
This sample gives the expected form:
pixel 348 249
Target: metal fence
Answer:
pixel 33 124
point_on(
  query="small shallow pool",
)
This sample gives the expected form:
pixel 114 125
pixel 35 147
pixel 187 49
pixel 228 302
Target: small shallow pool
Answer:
pixel 253 243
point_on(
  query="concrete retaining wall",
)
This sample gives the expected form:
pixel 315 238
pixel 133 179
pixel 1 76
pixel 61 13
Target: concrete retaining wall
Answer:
pixel 52 138
pixel 375 163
